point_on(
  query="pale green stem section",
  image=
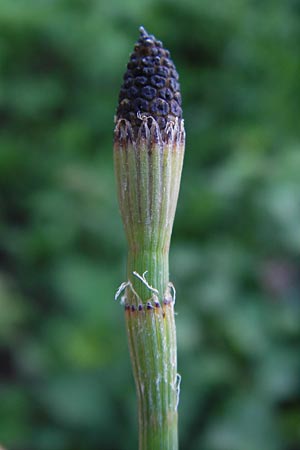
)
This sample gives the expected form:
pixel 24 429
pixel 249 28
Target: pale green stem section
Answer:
pixel 148 176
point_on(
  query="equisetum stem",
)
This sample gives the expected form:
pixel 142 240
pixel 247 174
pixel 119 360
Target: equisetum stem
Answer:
pixel 148 174
pixel 149 142
pixel 152 343
pixel 155 266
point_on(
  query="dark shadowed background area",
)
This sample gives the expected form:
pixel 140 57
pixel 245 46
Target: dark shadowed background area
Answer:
pixel 65 376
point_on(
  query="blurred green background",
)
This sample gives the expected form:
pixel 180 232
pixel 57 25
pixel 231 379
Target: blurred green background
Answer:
pixel 65 376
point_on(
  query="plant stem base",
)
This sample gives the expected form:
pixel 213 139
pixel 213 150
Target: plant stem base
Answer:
pixel 152 343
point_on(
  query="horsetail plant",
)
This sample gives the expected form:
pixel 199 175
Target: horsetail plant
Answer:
pixel 149 141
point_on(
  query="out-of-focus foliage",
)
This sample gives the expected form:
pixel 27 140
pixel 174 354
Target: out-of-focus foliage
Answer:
pixel 65 381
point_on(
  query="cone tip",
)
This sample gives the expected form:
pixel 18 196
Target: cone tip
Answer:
pixel 143 32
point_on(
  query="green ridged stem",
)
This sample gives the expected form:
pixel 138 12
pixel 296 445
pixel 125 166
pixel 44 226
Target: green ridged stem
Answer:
pixel 148 171
pixel 152 344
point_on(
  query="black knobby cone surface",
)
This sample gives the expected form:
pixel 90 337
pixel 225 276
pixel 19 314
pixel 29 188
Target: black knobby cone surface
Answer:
pixel 150 85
